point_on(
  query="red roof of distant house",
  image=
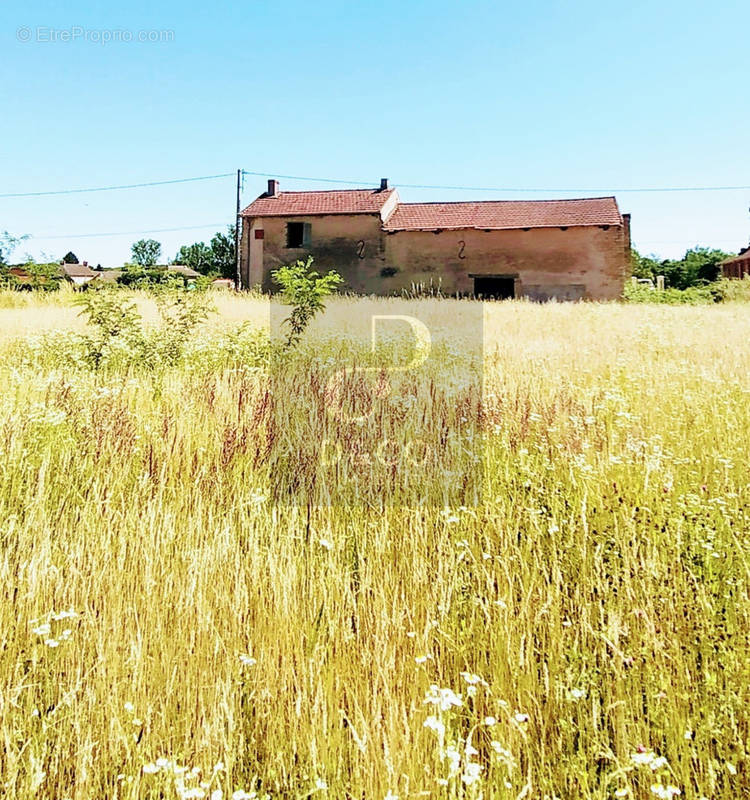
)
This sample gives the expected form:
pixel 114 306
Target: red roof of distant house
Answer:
pixel 345 201
pixel 504 214
pixel 744 255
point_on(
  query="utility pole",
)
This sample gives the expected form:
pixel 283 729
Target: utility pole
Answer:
pixel 237 235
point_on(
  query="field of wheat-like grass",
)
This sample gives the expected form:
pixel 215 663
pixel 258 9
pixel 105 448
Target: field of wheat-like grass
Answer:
pixel 538 588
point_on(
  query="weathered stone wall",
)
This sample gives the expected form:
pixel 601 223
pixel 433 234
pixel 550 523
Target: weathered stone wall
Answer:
pixel 353 245
pixel 550 262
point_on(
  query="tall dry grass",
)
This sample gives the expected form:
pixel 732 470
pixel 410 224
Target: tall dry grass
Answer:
pixel 583 623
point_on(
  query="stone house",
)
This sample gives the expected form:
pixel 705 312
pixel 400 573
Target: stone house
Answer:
pixel 541 249
pixel 737 267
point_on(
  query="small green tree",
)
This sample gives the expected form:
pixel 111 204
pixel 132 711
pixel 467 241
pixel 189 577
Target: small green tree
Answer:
pixel 112 319
pixel 305 290
pixel 181 313
pixel 70 258
pixel 146 252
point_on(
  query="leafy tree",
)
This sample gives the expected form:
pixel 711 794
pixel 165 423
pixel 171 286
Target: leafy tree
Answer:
pixel 70 258
pixel 644 266
pixel 8 243
pixel 218 257
pixel 224 252
pixel 146 252
pixel 305 290
pixel 197 256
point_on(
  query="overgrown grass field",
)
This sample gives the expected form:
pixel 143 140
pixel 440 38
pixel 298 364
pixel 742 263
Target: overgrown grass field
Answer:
pixel 574 625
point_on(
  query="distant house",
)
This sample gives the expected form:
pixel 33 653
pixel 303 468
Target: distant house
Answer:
pixel 541 249
pixel 737 267
pixel 111 275
pixel 78 274
pixel 222 283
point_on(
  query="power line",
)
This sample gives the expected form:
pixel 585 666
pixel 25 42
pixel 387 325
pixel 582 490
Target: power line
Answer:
pixel 505 189
pixel 132 233
pixel 122 186
pixel 359 182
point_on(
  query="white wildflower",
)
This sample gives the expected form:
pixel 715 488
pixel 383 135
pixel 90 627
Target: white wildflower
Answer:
pixel 150 769
pixel 621 793
pixel 129 707
pixel 444 699
pixel 454 759
pixel 326 543
pixel 196 793
pixel 435 724
pixel 521 717
pixel 665 792
pixel 642 759
pixel 217 794
pixel 472 678
pixel 731 769
pixel 42 630
pixel 422 659
pixel 248 661
pixel 471 773
pixel 658 763
pixel 489 721
pixel 69 614
pixel 51 642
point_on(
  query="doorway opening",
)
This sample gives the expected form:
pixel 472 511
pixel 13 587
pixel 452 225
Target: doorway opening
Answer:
pixel 494 287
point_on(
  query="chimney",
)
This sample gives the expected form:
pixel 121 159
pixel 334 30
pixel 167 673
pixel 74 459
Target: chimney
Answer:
pixel 383 184
pixel 85 263
pixel 273 188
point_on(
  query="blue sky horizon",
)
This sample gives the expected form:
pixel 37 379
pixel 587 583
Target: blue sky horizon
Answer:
pixel 543 98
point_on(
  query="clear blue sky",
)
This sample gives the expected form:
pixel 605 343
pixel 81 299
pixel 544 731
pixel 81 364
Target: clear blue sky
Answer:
pixel 535 94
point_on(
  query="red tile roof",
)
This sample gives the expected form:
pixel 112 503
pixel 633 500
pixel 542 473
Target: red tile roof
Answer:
pixel 346 201
pixel 504 214
pixel 744 255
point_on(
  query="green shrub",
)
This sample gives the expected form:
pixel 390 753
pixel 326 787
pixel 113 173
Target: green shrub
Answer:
pixel 694 295
pixel 305 290
pixel 118 337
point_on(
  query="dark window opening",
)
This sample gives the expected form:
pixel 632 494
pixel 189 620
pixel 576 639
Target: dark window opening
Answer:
pixel 494 287
pixel 298 234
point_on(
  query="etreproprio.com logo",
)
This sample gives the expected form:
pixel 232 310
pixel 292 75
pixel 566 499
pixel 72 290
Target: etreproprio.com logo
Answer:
pixel 42 34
